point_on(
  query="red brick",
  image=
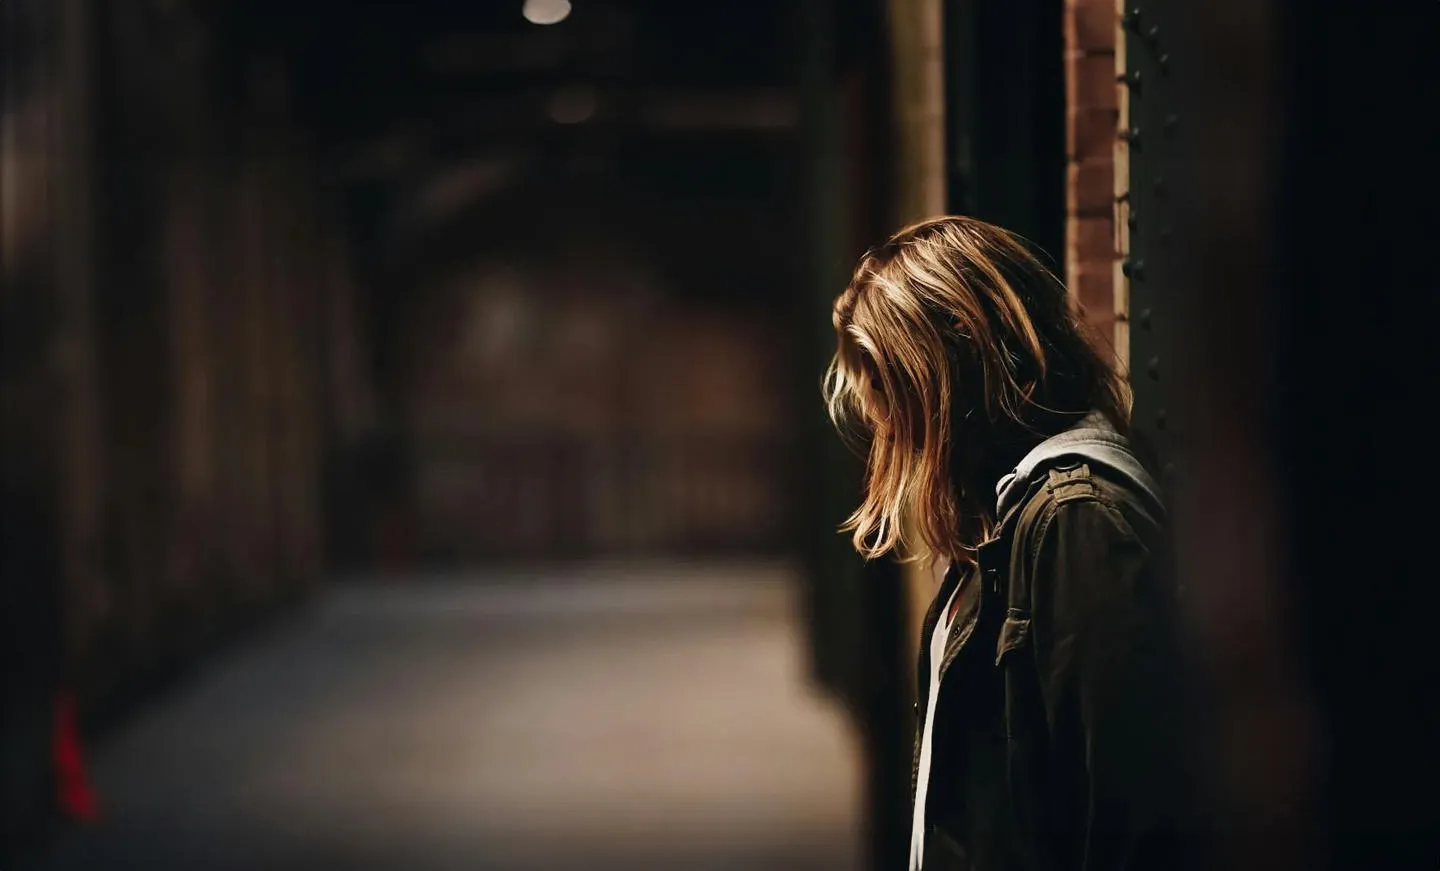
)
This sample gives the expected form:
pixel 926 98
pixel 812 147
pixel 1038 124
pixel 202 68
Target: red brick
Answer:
pixel 1090 81
pixel 1089 259
pixel 1093 240
pixel 1090 133
pixel 1092 123
pixel 1102 322
pixel 1092 186
pixel 1091 25
pixel 1093 287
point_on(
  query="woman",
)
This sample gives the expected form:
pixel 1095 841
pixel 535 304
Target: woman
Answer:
pixel 1048 726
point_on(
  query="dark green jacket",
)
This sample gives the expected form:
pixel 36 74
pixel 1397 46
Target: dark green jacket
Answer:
pixel 1059 730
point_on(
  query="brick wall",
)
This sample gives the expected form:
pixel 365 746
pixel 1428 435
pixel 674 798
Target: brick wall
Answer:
pixel 1092 114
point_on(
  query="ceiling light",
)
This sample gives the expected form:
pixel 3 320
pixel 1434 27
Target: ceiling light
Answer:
pixel 546 11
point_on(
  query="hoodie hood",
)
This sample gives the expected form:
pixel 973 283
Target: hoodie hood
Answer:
pixel 1094 440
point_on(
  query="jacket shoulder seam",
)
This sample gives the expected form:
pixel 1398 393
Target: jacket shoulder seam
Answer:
pixel 1035 531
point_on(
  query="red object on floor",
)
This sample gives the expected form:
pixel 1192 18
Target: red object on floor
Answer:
pixel 76 796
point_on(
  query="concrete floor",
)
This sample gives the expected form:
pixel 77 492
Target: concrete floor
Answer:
pixel 616 718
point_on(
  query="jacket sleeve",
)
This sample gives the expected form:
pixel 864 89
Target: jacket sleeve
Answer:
pixel 1110 684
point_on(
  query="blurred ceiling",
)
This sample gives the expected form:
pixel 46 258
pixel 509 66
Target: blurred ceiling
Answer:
pixel 382 85
pixel 452 121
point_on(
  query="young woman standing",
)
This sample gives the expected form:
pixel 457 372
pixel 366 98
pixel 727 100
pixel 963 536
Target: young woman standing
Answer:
pixel 1049 724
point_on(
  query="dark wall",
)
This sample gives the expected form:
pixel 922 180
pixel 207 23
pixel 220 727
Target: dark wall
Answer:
pixel 857 611
pixel 1356 305
pixel 1286 235
pixel 1005 117
pixel 172 397
pixel 212 260
pixel 30 508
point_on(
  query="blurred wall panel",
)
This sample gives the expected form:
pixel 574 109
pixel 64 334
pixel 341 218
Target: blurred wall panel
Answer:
pixel 1200 280
pixel 1303 296
pixel 918 32
pixel 133 303
pixel 191 376
pixel 857 610
pixel 346 390
pixel 256 268
pixel 1004 117
pixel 560 413
pixel 233 438
pixel 81 468
pixel 615 389
pixel 181 349
pixel 31 413
pixel 1351 343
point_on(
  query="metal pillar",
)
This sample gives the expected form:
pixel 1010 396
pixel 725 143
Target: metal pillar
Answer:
pixel 1152 126
pixel 1283 181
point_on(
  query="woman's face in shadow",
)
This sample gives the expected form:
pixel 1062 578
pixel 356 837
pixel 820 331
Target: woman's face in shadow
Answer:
pixel 877 406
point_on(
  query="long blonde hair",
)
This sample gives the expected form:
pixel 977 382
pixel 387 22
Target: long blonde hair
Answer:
pixel 955 344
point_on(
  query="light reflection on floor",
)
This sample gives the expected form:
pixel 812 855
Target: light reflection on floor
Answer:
pixel 644 717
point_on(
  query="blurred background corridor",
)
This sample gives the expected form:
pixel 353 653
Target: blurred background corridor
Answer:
pixel 411 451
pixel 402 413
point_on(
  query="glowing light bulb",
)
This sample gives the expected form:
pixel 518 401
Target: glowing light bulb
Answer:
pixel 546 11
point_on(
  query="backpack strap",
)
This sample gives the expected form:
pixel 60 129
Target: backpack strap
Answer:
pixel 1063 483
